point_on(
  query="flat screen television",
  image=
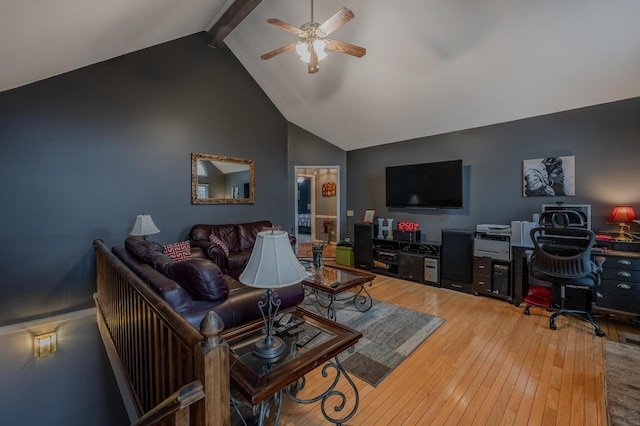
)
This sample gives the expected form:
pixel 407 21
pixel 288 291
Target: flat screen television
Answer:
pixel 427 186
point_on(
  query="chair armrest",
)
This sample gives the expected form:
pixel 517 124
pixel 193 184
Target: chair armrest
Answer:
pixel 599 262
pixel 528 253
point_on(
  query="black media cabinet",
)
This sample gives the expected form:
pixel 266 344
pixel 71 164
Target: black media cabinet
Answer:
pixel 409 261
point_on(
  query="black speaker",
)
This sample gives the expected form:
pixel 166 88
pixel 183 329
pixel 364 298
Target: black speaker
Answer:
pixel 456 259
pixel 363 246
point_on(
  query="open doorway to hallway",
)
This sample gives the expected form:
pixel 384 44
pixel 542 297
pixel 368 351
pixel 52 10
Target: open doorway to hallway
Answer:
pixel 317 207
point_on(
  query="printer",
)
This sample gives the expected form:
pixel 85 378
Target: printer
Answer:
pixel 492 228
pixel 492 241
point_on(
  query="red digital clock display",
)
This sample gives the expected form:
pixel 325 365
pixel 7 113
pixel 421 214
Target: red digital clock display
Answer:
pixel 408 226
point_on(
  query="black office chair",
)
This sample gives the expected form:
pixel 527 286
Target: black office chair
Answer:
pixel 562 256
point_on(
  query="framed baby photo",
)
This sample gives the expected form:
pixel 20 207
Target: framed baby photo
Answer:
pixel 369 215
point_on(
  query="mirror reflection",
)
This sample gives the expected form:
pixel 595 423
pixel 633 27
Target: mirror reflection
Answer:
pixel 222 180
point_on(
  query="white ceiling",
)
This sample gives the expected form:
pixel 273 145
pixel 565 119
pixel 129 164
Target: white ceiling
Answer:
pixel 432 66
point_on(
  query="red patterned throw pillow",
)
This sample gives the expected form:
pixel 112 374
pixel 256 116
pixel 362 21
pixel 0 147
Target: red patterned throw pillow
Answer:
pixel 178 251
pixel 218 242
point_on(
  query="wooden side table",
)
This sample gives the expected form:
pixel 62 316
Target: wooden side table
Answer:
pixel 264 381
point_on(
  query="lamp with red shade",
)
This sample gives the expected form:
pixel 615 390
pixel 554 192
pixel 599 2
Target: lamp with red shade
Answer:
pixel 623 215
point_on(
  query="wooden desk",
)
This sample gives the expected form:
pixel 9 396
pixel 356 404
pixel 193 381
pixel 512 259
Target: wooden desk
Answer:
pixel 619 291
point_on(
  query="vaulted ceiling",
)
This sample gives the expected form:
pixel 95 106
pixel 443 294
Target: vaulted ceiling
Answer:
pixel 431 67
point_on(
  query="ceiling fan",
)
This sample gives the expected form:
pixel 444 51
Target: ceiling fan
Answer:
pixel 313 39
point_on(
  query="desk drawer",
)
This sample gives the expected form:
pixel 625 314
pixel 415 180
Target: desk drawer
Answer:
pixel 457 285
pixel 620 262
pixel 481 283
pixel 621 274
pixel 619 295
pixel 482 266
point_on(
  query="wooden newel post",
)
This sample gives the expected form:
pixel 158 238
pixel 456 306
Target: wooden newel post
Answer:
pixel 213 371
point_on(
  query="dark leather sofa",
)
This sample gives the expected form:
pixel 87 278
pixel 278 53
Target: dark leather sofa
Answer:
pixel 196 286
pixel 238 238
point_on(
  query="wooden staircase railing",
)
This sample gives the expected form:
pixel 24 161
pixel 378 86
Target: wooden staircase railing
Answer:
pixel 154 351
pixel 176 406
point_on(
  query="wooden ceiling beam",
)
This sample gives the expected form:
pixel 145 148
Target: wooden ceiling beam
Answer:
pixel 236 13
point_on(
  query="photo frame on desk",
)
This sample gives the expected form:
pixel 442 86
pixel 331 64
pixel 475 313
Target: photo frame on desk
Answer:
pixel 369 215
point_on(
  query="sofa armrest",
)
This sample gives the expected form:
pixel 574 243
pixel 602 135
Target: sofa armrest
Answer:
pixel 197 253
pixel 217 256
pixel 212 252
pixel 201 244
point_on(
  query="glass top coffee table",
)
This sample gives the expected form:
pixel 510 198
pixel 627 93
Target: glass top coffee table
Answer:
pixel 328 282
pixel 264 381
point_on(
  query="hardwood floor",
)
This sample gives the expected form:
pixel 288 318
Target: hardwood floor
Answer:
pixel 488 364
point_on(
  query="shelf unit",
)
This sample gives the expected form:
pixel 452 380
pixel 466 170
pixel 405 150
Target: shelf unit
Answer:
pixel 403 259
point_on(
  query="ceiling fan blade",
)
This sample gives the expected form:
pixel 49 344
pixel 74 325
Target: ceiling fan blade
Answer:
pixel 340 18
pixel 283 25
pixel 278 51
pixel 313 63
pixel 349 49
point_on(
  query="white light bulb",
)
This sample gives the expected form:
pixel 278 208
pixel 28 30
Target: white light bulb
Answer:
pixel 319 46
pixel 302 49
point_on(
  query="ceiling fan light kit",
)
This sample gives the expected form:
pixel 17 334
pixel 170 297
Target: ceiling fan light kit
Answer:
pixel 313 42
pixel 303 49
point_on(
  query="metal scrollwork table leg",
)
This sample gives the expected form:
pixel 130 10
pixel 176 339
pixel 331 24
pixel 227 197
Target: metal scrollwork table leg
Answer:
pixel 362 300
pixel 330 392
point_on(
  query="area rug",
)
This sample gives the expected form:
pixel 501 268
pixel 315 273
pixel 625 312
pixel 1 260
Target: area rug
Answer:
pixel 390 334
pixel 623 383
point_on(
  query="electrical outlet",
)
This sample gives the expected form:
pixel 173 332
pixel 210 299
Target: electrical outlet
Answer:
pixel 349 212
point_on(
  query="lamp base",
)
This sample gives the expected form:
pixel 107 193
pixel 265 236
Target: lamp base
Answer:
pixel 269 347
pixel 622 235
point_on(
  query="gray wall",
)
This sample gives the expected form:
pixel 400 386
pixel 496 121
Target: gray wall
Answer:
pixel 83 153
pixel 604 140
pixel 72 386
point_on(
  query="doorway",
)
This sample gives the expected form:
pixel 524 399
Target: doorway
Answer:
pixel 316 207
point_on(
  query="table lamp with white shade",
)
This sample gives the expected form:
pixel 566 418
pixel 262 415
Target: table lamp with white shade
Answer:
pixel 272 265
pixel 144 226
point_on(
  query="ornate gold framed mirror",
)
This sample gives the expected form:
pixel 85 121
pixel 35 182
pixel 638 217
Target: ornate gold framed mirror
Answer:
pixel 222 180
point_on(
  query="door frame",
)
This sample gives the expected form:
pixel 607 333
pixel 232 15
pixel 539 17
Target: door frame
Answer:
pixel 312 202
pixel 303 171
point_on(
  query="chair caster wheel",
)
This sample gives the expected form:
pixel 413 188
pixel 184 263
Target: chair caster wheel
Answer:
pixel 526 311
pixel 552 326
pixel 599 333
